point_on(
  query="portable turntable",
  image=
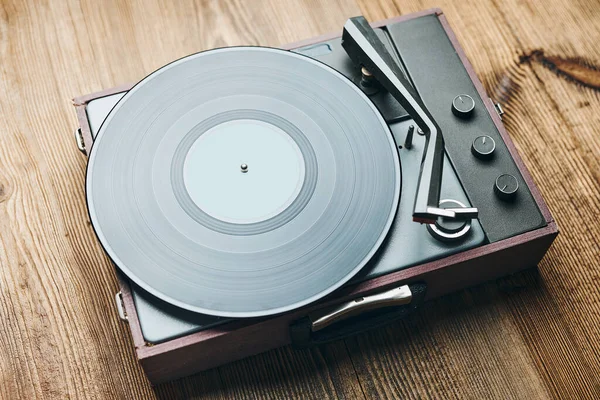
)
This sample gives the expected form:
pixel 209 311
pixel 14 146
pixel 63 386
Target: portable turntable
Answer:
pixel 253 197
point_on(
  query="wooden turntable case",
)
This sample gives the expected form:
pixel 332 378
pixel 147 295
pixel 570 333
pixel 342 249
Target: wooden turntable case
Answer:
pixel 232 341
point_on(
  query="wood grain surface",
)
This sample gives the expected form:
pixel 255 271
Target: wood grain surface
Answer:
pixel 535 335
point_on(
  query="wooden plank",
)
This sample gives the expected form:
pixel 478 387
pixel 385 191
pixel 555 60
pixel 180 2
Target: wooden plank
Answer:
pixel 532 336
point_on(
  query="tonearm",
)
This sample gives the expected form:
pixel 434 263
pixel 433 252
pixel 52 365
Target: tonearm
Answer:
pixel 366 50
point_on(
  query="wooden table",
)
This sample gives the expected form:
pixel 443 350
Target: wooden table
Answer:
pixel 535 335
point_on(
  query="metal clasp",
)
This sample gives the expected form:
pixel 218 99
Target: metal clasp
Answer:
pixel 498 108
pixel 79 140
pixel 120 306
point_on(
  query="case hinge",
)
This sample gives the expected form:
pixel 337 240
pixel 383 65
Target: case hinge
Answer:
pixel 120 306
pixel 79 140
pixel 498 108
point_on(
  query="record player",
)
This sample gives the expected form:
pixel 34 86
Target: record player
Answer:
pixel 254 197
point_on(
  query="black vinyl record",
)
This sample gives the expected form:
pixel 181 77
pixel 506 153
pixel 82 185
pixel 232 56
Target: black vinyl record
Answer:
pixel 243 181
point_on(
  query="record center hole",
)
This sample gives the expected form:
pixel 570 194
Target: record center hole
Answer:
pixel 244 168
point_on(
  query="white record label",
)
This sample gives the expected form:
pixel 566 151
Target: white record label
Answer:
pixel 243 171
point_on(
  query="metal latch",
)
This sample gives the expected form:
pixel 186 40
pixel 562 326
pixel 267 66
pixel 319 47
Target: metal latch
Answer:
pixel 79 140
pixel 120 306
pixel 498 108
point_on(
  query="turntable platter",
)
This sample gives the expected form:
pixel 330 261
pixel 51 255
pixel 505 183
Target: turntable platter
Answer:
pixel 243 182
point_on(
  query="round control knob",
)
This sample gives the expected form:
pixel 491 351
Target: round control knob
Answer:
pixel 483 147
pixel 463 106
pixel 449 230
pixel 506 187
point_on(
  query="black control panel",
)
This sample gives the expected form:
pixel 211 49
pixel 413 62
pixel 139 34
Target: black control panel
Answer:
pixel 480 157
pixel 473 144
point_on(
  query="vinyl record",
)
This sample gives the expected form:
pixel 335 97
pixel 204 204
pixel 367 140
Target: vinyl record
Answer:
pixel 243 181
